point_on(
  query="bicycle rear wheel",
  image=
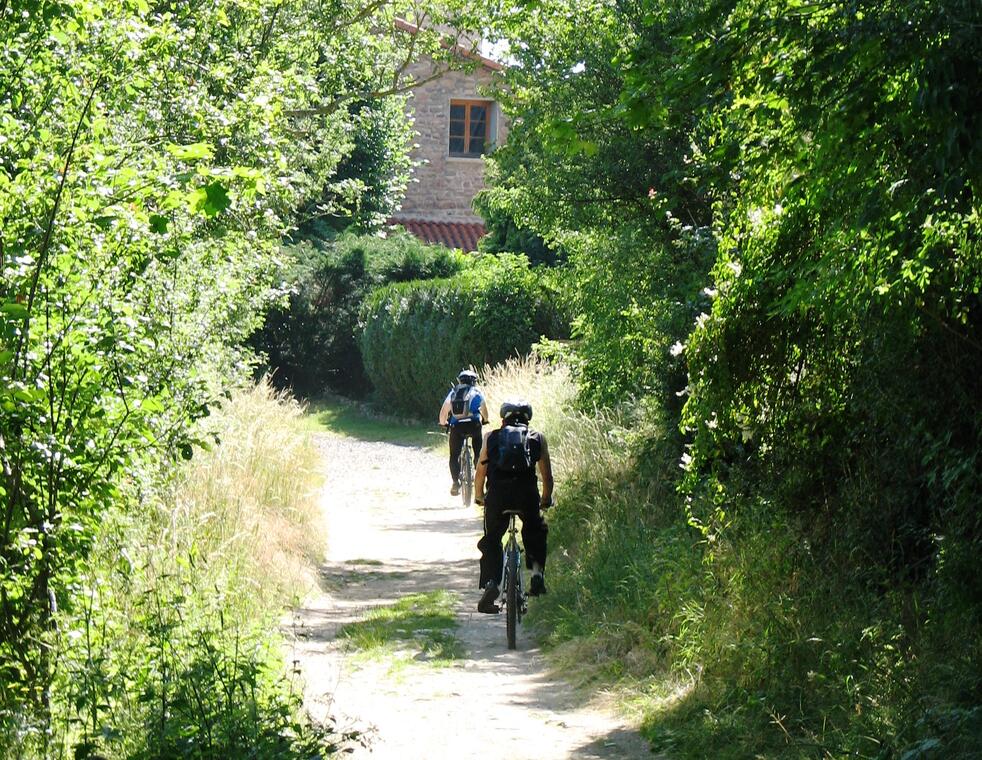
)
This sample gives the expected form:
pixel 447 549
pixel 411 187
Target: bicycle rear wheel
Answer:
pixel 466 475
pixel 511 596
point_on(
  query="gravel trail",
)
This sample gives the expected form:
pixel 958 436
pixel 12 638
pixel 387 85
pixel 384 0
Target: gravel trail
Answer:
pixel 393 529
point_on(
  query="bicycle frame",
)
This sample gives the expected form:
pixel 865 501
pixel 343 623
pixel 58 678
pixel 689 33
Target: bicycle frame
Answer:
pixel 512 582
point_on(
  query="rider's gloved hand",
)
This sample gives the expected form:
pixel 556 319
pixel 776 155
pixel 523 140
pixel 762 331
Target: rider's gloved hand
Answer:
pixel 479 499
pixel 545 503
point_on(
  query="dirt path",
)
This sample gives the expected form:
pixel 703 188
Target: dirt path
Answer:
pixel 394 530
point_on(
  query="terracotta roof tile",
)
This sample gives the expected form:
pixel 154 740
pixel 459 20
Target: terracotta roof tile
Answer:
pixel 462 235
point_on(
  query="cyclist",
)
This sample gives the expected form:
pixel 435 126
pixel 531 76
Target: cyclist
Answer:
pixel 465 411
pixel 512 454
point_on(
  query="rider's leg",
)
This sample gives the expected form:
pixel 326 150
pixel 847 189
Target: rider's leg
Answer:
pixel 495 525
pixel 476 441
pixel 534 533
pixel 456 444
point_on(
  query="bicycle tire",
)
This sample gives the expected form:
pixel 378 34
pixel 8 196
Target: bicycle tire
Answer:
pixel 466 475
pixel 511 597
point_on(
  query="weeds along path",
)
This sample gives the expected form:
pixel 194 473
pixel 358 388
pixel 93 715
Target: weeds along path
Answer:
pixel 392 645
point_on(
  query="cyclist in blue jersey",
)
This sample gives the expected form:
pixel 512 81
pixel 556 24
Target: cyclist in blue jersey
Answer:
pixel 464 410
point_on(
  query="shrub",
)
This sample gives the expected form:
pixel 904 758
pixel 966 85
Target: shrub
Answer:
pixel 416 336
pixel 310 343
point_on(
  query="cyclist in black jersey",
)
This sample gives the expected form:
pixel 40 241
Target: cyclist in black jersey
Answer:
pixel 511 459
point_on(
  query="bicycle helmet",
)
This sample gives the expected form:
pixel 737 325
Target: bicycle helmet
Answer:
pixel 467 376
pixel 516 409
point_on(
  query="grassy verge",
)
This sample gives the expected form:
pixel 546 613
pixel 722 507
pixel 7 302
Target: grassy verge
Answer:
pixel 172 649
pixel 757 640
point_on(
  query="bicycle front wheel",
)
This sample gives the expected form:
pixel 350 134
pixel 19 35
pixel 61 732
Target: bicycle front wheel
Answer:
pixel 466 475
pixel 511 596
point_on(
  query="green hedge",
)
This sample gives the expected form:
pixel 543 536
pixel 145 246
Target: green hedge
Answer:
pixel 415 336
pixel 310 343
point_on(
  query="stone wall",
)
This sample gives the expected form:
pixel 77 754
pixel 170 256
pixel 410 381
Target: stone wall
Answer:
pixel 442 186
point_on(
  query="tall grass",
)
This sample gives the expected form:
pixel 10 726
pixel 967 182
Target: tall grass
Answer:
pixel 171 645
pixel 548 387
pixel 248 507
pixel 575 438
pixel 753 639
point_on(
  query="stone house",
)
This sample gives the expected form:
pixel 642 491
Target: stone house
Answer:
pixel 455 125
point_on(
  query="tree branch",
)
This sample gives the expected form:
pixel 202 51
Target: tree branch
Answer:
pixel 46 241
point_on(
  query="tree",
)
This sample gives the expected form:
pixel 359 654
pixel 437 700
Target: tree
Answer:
pixel 582 170
pixel 151 159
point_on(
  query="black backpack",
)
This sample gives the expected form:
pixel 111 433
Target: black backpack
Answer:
pixel 460 403
pixel 514 457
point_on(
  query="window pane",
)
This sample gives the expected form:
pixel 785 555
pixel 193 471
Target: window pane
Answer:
pixel 479 128
pixel 468 128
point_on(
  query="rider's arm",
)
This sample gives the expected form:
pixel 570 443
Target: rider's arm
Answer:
pixel 482 471
pixel 484 412
pixel 445 412
pixel 545 472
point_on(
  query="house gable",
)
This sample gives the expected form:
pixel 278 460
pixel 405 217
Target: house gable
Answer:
pixel 449 170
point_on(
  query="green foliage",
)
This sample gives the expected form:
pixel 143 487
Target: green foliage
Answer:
pixel 151 159
pixel 504 235
pixel 838 369
pixel 630 213
pixel 415 336
pixel 194 684
pixel 310 343
pixel 370 181
pixel 169 648
pixel 783 198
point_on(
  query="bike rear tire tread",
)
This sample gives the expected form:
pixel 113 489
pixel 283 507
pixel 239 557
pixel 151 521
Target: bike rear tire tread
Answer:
pixel 512 600
pixel 466 475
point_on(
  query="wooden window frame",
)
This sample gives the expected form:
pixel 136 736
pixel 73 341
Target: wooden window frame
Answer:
pixel 468 104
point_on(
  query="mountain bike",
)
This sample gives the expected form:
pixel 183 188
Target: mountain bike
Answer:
pixel 512 585
pixel 466 462
pixel 467 467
